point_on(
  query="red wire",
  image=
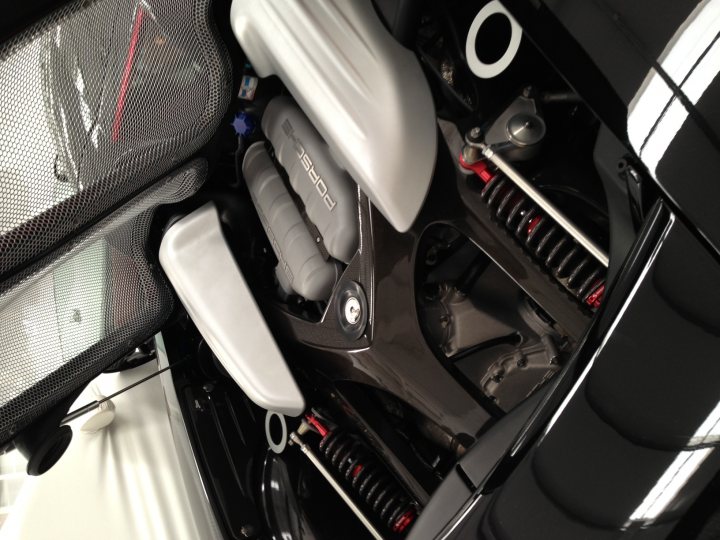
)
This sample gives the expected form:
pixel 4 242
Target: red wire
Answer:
pixel 125 81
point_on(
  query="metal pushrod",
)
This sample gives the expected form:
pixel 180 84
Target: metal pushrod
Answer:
pixel 540 199
pixel 295 439
pixel 95 404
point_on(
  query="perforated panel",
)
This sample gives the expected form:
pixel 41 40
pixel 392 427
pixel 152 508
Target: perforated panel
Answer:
pixel 69 316
pixel 97 101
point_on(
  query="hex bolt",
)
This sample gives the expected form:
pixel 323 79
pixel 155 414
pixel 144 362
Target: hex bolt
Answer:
pixel 475 133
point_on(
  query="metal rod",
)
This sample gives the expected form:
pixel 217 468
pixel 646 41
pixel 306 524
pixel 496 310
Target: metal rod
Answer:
pixel 77 413
pixel 540 199
pixel 295 439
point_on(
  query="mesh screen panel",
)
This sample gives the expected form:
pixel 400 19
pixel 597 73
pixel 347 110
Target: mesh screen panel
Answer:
pixel 99 100
pixel 66 318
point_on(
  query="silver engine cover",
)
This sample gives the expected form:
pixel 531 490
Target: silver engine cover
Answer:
pixel 363 91
pixel 326 190
pixel 301 266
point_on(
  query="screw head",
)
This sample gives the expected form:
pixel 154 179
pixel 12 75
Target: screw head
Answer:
pixel 475 133
pixel 352 310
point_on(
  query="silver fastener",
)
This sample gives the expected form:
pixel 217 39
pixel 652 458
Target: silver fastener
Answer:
pixel 352 310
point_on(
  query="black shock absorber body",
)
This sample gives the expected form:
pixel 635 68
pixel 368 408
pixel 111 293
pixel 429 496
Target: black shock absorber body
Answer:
pixel 369 479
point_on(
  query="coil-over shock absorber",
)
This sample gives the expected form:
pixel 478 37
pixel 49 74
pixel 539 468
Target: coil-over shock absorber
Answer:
pixel 367 477
pixel 551 245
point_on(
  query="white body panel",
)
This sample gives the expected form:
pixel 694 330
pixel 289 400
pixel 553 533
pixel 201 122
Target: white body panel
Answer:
pixel 201 268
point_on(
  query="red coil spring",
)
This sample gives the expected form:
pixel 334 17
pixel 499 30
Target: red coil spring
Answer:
pixel 545 240
pixel 368 478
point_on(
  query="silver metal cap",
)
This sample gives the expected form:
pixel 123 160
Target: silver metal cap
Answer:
pixel 525 129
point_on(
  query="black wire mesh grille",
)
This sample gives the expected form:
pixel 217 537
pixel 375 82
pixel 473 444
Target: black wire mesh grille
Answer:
pixel 99 100
pixel 68 317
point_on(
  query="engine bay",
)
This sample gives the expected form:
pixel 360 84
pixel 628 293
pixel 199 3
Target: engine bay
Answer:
pixel 422 278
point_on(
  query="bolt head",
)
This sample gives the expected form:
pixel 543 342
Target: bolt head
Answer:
pixel 352 310
pixel 475 134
